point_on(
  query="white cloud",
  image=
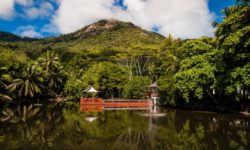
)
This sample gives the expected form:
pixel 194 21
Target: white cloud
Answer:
pixel 50 28
pixel 181 18
pixel 24 2
pixel 44 10
pixel 32 9
pixel 28 31
pixel 7 9
pixel 74 15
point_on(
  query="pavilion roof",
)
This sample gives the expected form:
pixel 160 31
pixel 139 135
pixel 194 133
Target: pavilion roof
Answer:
pixel 153 85
pixel 90 90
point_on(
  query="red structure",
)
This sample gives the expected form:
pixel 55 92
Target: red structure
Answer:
pixel 127 103
pixel 91 101
pixel 98 104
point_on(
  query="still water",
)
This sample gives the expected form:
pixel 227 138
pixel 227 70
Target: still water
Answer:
pixel 67 128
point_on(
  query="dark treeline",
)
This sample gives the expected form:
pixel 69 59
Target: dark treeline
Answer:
pixel 205 73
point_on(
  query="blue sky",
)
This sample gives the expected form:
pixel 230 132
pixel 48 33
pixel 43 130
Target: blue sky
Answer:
pixel 42 18
pixel 217 5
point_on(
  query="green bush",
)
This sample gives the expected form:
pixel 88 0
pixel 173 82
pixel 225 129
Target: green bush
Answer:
pixel 136 87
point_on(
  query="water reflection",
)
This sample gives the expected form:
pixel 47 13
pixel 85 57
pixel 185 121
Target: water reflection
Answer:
pixel 19 114
pixel 91 108
pixel 66 127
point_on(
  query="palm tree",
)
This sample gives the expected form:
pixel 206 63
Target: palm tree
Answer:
pixel 54 75
pixel 29 83
pixel 50 62
pixel 55 80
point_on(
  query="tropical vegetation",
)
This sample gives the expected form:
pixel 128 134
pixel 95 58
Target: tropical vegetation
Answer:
pixel 121 60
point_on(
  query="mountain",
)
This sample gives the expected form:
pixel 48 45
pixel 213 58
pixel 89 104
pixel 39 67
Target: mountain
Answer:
pixel 101 41
pixel 10 37
pixel 102 27
pixel 111 34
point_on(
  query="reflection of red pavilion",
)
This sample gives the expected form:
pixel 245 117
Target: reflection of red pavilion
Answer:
pixel 91 108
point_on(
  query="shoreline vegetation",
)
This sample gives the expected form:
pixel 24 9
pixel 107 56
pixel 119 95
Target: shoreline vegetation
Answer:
pixel 122 60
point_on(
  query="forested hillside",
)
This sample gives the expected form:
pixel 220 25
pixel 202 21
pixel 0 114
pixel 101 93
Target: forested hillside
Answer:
pixel 121 60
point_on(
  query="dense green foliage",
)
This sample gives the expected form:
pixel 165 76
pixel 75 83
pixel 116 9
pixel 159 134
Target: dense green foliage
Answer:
pixel 120 60
pixel 108 77
pixel 234 40
pixel 136 87
pixel 196 74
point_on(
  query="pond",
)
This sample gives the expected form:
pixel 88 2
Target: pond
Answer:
pixel 66 127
